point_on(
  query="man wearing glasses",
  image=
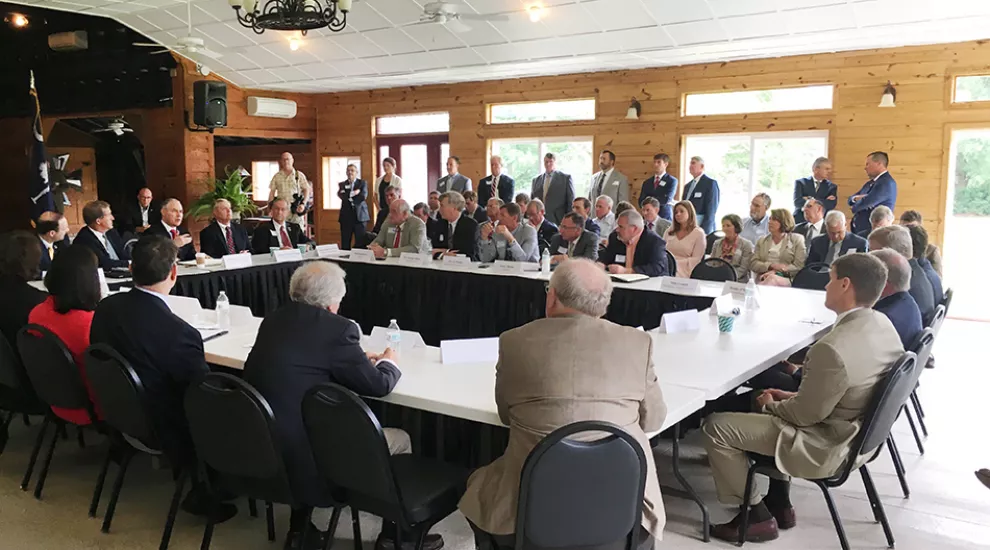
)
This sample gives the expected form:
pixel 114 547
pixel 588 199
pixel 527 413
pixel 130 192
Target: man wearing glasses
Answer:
pixel 573 241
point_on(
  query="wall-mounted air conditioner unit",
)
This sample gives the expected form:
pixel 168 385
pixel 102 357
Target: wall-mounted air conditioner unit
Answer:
pixel 271 107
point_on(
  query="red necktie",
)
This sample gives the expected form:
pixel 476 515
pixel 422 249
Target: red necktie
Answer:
pixel 173 233
pixel 285 239
pixel 230 241
pixel 656 182
pixel 398 234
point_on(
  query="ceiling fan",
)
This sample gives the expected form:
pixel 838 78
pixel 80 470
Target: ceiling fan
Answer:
pixel 188 44
pixel 118 126
pixel 447 14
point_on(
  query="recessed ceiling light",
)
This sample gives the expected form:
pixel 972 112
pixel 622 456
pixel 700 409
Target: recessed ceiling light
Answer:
pixel 18 20
pixel 535 12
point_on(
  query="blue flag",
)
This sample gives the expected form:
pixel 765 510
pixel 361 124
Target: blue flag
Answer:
pixel 39 186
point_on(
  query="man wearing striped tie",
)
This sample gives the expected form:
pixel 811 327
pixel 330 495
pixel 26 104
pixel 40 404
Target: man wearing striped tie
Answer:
pixel 171 227
pixel 223 237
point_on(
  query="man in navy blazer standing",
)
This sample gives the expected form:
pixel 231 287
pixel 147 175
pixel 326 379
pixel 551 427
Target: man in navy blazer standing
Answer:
pixel 662 186
pixel 703 193
pixel 881 189
pixel 353 193
pixel 836 242
pixel 816 187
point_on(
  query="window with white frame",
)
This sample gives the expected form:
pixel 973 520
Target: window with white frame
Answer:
pixel 542 111
pixel 425 123
pixel 334 172
pixel 262 172
pixel 523 159
pixel 747 164
pixel 971 88
pixel 759 101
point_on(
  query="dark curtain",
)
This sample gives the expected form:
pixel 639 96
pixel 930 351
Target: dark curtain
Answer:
pixel 120 169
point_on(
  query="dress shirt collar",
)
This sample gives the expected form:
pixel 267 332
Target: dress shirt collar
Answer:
pixel 608 217
pixel 881 174
pixel 608 173
pixel 660 175
pixel 168 227
pixel 47 244
pixel 845 314
pixel 224 227
pixel 161 297
pixel 818 226
pixel 279 226
pixel 99 234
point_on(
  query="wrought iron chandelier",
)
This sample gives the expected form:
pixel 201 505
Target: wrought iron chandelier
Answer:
pixel 292 15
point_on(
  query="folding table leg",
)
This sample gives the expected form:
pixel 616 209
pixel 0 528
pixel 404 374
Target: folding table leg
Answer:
pixel 675 462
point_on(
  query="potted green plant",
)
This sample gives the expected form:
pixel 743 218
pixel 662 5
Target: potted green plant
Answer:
pixel 234 188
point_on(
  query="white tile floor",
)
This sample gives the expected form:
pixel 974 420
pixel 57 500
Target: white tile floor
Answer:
pixel 948 508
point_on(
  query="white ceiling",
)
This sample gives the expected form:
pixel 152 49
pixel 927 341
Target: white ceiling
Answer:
pixel 382 47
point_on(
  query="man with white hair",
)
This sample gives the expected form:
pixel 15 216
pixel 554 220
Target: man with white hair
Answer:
pixel 836 241
pixel 703 193
pixel 222 237
pixel 498 185
pixel 895 301
pixel 898 238
pixel 402 232
pixel 291 185
pixel 757 224
pixel 170 227
pixel 631 249
pixel 552 372
pixel 605 217
pixel 880 217
pixel 300 345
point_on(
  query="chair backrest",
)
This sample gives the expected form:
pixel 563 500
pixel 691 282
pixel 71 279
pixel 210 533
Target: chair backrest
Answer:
pixel 922 348
pixel 937 318
pixel 581 493
pixel 812 277
pixel 233 430
pixel 120 393
pixel 16 392
pixel 710 240
pixel 714 269
pixel 948 300
pixel 51 369
pixel 890 394
pixel 349 447
pixel 671 264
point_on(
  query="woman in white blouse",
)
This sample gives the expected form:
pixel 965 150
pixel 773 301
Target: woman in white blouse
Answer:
pixel 780 254
pixel 733 248
pixel 386 179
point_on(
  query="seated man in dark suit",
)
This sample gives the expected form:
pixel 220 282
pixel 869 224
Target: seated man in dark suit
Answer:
pixel 895 301
pixel 456 233
pixel 473 209
pixel 632 249
pixel 100 236
pixel 139 215
pixel 327 349
pixel 545 229
pixel 223 237
pixel 277 233
pixel 53 232
pixel 836 242
pixel 573 241
pixel 165 352
pixel 919 244
pixel 422 211
pixel 813 225
pixel 898 238
pixel 582 206
pixel 170 227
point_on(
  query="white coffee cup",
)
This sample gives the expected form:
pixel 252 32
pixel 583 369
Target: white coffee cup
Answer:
pixel 200 258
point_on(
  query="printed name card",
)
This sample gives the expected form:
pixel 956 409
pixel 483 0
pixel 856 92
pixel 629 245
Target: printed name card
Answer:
pixel 290 255
pixel 415 259
pixel 506 266
pixel 327 250
pixel 675 285
pixel 471 350
pixel 236 261
pixel 362 255
pixel 737 290
pixel 458 260
pixel 679 321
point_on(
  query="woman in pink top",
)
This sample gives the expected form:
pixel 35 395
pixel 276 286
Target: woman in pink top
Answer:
pixel 74 286
pixel 685 240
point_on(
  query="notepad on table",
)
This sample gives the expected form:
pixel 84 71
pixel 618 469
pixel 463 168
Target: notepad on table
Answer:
pixel 629 277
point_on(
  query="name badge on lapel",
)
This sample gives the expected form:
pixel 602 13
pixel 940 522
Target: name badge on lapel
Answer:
pixel 697 195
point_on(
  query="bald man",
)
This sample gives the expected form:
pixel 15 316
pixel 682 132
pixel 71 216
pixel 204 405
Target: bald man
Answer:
pixel 170 227
pixel 139 215
pixel 53 230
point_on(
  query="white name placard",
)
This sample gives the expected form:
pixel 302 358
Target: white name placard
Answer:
pixel 290 255
pixel 236 261
pixel 362 255
pixel 737 290
pixel 472 350
pixel 676 285
pixel 415 259
pixel 327 250
pixel 459 260
pixel 506 266
pixel 679 321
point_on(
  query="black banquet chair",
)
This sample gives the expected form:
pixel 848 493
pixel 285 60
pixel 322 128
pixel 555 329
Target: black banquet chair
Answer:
pixel 234 433
pixel 122 400
pixel 582 493
pixel 58 383
pixel 714 269
pixel 671 265
pixel 413 492
pixel 17 396
pixel 888 398
pixel 711 238
pixel 812 277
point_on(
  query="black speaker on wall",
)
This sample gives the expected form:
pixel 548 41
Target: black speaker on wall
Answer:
pixel 210 103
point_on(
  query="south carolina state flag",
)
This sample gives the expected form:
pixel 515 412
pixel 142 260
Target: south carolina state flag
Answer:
pixel 39 186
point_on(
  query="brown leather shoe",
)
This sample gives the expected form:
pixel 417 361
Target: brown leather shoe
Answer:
pixel 785 517
pixel 763 531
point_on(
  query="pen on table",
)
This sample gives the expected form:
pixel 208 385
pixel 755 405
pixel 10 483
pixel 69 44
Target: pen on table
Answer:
pixel 212 336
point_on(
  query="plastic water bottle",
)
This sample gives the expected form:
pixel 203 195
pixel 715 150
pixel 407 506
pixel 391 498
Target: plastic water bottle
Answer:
pixel 393 335
pixel 750 296
pixel 545 261
pixel 223 311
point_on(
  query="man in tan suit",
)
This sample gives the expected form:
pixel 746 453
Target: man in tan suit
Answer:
pixel 551 373
pixel 401 232
pixel 808 432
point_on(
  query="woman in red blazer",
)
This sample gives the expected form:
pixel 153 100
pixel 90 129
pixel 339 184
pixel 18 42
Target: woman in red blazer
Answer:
pixel 68 312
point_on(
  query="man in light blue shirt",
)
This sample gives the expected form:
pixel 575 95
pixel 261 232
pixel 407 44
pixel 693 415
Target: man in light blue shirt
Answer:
pixel 507 238
pixel 757 224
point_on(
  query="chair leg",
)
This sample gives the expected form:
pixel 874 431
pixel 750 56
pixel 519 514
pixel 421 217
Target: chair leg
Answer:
pixel 80 437
pixel 253 507
pixel 34 453
pixel 836 520
pixel 118 484
pixel 173 510
pixel 305 532
pixel 877 505
pixel 207 534
pixel 420 540
pixel 917 403
pixel 356 526
pixel 747 495
pixel 332 528
pixel 270 518
pixel 895 456
pixel 100 480
pixel 914 429
pixel 27 420
pixel 43 475
pixel 921 413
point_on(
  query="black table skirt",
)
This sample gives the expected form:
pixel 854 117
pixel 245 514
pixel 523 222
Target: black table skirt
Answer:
pixel 440 305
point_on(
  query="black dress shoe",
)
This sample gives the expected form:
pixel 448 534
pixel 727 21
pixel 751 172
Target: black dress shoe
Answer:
pixel 387 542
pixel 199 503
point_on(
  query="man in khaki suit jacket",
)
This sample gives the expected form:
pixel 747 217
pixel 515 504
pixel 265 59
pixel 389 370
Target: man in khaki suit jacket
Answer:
pixel 552 372
pixel 410 229
pixel 808 432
